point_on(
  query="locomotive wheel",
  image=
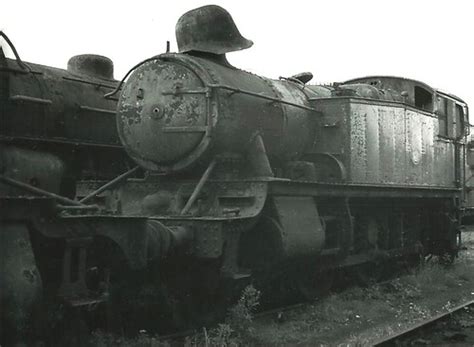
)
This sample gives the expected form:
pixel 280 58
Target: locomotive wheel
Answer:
pixel 314 286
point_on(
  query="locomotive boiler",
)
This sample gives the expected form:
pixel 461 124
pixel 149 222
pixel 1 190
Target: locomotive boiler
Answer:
pixel 177 110
pixel 236 179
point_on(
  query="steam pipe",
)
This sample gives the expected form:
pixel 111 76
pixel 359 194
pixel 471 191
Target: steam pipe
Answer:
pixel 39 191
pixel 110 184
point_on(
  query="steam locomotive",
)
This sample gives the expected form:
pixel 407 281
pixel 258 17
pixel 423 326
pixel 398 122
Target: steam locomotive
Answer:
pixel 201 178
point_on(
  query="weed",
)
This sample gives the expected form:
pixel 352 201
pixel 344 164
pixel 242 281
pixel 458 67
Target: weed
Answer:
pixel 241 315
pixel 238 326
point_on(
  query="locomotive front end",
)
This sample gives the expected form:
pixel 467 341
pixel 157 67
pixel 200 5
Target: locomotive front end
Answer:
pixel 178 110
pixel 161 127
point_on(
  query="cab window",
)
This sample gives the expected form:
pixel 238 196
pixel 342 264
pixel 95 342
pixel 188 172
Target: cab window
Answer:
pixel 423 99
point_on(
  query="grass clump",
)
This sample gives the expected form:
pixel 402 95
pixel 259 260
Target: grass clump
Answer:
pixel 238 326
pixel 434 276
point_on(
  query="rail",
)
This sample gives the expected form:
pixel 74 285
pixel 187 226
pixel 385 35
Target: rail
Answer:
pixel 390 340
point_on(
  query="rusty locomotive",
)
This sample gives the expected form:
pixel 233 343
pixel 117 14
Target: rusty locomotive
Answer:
pixel 201 178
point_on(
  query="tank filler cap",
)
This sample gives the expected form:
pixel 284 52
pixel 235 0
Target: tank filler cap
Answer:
pixel 91 65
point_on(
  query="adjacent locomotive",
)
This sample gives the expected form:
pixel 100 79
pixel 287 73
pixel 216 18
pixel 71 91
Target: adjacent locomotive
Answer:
pixel 56 129
pixel 238 179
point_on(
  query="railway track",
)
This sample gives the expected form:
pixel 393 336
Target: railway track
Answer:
pixel 272 313
pixel 408 336
pixel 417 332
pixel 282 313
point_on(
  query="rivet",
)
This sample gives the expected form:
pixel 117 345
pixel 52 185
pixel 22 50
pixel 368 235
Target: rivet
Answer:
pixel 157 113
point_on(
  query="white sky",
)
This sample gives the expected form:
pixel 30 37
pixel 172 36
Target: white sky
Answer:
pixel 431 41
